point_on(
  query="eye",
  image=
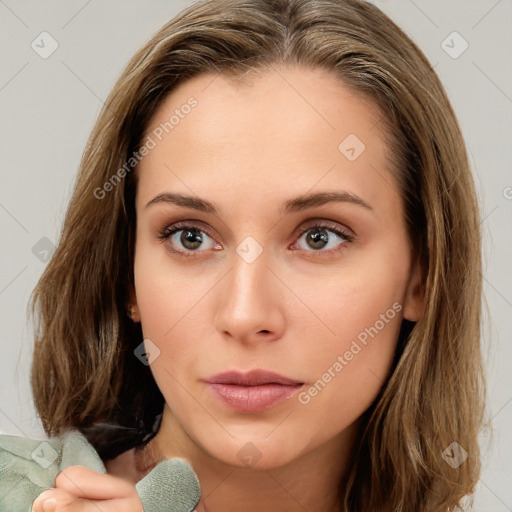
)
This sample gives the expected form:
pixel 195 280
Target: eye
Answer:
pixel 186 239
pixel 322 236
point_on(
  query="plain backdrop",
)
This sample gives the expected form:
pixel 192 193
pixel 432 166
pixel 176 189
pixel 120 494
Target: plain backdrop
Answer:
pixel 48 107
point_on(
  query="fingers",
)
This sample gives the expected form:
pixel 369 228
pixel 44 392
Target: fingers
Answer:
pixel 52 500
pixel 79 489
pixel 57 500
pixel 85 483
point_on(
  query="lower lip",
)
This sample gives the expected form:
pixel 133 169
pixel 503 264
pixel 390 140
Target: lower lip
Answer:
pixel 252 398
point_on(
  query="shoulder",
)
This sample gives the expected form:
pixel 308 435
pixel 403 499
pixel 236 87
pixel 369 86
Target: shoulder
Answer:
pixel 29 466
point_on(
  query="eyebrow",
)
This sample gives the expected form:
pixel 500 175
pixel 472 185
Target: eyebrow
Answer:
pixel 297 204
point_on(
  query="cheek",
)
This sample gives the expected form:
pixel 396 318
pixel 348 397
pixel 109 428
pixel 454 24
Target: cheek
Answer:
pixel 347 371
pixel 166 305
pixel 167 293
pixel 357 328
pixel 362 302
pixel 161 304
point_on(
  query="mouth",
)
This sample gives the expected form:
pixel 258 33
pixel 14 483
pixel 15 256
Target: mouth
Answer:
pixel 253 391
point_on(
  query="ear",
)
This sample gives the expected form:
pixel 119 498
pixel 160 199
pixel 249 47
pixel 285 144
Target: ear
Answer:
pixel 414 302
pixel 132 308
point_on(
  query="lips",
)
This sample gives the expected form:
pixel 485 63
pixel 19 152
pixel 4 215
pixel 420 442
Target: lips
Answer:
pixel 251 378
pixel 253 391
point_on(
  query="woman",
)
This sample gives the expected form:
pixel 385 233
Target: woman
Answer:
pixel 278 194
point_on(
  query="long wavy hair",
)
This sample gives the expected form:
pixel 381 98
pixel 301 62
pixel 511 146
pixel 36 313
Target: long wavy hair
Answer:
pixel 84 372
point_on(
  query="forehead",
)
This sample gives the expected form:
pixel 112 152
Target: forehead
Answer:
pixel 282 129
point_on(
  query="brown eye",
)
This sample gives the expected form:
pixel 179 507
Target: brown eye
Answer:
pixel 191 239
pixel 185 239
pixel 323 236
pixel 317 239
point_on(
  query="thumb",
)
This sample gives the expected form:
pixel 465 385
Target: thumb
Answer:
pixel 171 485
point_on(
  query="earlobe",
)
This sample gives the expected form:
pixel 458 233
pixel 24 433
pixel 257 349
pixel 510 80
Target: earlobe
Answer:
pixel 133 313
pixel 414 303
pixel 132 308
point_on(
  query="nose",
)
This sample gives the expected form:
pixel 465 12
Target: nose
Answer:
pixel 249 308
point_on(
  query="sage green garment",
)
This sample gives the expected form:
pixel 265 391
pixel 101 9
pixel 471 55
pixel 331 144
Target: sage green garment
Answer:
pixel 30 466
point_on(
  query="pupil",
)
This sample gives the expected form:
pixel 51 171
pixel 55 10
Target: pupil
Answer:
pixel 320 239
pixel 191 239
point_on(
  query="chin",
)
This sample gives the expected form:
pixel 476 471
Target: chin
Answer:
pixel 256 452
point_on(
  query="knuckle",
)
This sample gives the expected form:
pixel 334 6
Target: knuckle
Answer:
pixel 37 504
pixel 61 498
pixel 71 473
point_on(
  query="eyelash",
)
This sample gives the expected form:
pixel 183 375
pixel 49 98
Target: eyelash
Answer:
pixel 345 234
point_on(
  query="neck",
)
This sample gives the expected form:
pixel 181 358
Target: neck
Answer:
pixel 311 482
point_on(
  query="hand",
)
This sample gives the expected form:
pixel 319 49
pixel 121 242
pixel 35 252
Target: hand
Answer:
pixel 79 489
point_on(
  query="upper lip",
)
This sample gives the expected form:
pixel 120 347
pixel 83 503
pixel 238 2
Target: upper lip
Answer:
pixel 251 378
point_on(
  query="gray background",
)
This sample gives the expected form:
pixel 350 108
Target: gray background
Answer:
pixel 48 107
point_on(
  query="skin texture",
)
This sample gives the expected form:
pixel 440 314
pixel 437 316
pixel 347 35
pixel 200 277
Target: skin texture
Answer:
pixel 79 489
pixel 298 307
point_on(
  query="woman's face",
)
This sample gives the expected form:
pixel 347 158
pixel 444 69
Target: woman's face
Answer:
pixel 287 252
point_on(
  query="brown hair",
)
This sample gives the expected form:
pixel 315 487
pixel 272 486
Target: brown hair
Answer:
pixel 84 370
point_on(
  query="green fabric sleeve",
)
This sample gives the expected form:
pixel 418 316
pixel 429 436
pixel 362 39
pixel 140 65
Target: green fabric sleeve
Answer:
pixel 30 466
